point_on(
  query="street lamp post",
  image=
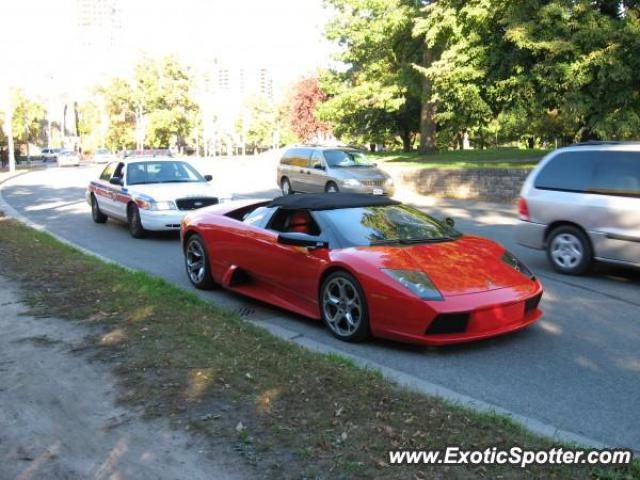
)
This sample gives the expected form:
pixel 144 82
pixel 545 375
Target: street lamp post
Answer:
pixel 8 130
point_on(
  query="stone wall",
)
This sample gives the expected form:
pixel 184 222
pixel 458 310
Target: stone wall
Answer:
pixel 491 184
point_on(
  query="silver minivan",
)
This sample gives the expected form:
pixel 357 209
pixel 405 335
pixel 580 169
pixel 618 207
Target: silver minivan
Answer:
pixel 330 169
pixel 582 203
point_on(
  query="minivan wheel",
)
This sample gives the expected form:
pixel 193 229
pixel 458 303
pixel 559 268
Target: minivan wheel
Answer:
pixel 569 250
pixel 331 187
pixel 285 186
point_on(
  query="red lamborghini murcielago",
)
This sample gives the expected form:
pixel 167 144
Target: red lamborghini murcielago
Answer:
pixel 364 265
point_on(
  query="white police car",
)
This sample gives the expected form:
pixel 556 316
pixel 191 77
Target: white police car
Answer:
pixel 150 193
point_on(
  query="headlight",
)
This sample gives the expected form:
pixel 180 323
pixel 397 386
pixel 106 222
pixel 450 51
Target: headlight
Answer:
pixel 352 182
pixel 150 205
pixel 389 182
pixel 513 261
pixel 417 282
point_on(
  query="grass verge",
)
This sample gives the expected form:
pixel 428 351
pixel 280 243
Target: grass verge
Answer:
pixel 289 412
pixel 504 157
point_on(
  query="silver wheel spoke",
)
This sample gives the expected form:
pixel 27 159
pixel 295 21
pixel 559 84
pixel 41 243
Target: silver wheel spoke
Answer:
pixel 341 305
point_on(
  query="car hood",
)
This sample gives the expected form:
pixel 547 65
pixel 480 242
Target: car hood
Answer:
pixel 467 265
pixel 171 191
pixel 359 173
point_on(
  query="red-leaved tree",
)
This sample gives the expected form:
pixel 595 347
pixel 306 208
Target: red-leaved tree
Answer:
pixel 306 95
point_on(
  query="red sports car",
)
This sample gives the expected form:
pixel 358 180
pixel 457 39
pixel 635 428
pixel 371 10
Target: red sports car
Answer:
pixel 365 265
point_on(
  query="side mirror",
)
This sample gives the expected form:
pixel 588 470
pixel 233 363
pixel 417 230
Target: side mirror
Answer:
pixel 450 222
pixel 318 166
pixel 302 240
pixel 116 181
pixel 208 178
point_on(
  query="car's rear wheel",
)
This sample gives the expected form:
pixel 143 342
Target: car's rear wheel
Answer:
pixel 344 307
pixel 569 250
pixel 196 261
pixel 285 186
pixel 96 214
pixel 134 222
pixel 331 187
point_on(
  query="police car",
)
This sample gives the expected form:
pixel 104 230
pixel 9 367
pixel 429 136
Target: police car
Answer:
pixel 150 194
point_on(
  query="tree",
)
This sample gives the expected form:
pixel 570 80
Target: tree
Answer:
pixel 29 118
pixel 377 93
pixel 120 104
pixel 304 122
pixel 163 92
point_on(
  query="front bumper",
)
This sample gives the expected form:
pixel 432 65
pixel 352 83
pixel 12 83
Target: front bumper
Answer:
pixel 158 220
pixel 530 234
pixel 384 190
pixel 486 314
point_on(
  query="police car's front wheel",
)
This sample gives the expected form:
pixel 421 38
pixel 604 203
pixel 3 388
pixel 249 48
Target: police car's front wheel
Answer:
pixel 135 223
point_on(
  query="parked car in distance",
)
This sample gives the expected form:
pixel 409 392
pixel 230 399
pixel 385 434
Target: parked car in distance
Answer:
pixel 364 265
pixel 103 155
pixel 582 204
pixel 68 158
pixel 149 193
pixel 309 169
pixel 50 154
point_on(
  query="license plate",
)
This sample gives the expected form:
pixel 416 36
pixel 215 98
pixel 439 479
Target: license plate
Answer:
pixel 378 191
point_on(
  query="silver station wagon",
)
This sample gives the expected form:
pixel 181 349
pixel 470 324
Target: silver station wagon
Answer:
pixel 331 169
pixel 581 204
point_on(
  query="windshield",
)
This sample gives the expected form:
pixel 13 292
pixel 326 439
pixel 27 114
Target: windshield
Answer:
pixel 346 158
pixel 368 226
pixel 102 151
pixel 140 173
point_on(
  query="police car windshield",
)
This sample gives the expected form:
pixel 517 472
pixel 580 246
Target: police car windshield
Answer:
pixel 141 173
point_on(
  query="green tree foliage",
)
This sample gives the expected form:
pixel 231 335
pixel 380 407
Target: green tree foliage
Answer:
pixel 163 90
pixel 378 93
pixel 536 70
pixel 120 104
pixel 29 117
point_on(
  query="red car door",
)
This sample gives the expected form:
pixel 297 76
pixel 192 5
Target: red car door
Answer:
pixel 288 274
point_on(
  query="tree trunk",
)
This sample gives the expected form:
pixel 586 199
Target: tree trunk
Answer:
pixel 406 140
pixel 428 109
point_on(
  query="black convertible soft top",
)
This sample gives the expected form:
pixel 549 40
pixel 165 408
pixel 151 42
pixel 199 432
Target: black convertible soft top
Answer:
pixel 331 201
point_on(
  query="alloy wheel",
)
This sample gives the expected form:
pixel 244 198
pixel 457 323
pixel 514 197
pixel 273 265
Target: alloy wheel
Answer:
pixel 566 250
pixel 195 259
pixel 342 306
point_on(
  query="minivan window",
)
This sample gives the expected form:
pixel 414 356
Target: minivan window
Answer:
pixel 617 173
pixel 297 157
pixel 568 172
pixel 346 158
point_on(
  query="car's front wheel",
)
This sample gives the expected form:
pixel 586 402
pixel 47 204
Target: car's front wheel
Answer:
pixel 196 262
pixel 569 250
pixel 134 222
pixel 96 214
pixel 285 186
pixel 344 307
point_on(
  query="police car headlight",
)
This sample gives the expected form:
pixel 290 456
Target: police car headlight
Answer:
pixel 156 206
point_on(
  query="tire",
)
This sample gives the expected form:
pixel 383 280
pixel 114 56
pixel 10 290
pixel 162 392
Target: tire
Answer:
pixel 331 187
pixel 96 214
pixel 285 186
pixel 134 222
pixel 569 250
pixel 340 296
pixel 195 252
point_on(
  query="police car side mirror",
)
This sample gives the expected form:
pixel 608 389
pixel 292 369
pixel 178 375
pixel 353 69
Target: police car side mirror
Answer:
pixel 208 178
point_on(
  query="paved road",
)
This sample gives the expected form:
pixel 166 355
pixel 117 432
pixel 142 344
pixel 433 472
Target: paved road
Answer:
pixel 577 369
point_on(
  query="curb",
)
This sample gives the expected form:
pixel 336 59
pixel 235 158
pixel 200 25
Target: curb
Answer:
pixel 400 378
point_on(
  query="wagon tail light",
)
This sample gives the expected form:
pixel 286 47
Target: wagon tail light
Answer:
pixel 418 282
pixel 523 210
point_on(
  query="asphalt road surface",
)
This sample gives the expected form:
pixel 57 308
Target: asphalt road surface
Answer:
pixel 577 369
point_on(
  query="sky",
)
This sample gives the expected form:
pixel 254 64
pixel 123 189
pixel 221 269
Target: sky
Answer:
pixel 38 38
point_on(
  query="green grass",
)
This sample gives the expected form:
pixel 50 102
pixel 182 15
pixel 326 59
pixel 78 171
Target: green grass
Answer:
pixel 303 414
pixel 504 157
